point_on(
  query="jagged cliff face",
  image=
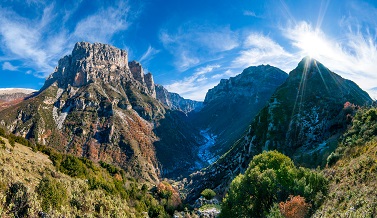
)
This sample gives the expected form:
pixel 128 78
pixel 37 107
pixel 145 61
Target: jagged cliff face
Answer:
pixel 98 105
pixel 176 102
pixel 303 119
pixel 230 106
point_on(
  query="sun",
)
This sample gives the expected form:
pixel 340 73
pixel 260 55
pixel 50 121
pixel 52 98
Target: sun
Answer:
pixel 311 44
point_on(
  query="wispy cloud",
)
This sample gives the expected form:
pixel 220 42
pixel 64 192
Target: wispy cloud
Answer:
pixel 260 49
pixel 23 39
pixel 9 66
pixel 195 86
pixel 101 26
pixel 148 54
pixel 249 13
pixel 228 73
pixel 39 41
pixel 192 45
pixel 353 57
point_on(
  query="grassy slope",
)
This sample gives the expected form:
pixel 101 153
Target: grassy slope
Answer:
pixel 21 164
pixel 353 186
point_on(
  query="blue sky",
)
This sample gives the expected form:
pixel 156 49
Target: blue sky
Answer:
pixel 190 45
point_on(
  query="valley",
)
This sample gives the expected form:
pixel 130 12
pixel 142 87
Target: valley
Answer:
pixel 124 146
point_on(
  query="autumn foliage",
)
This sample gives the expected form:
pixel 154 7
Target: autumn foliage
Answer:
pixel 295 207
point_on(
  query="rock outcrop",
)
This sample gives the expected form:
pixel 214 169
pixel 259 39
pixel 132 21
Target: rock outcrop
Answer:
pixel 176 102
pixel 303 119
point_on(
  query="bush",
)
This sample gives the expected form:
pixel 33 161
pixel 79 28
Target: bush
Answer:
pixel 17 200
pixel 164 190
pixel 333 158
pixel 270 178
pixel 73 167
pixel 295 207
pixel 2 144
pixel 52 193
pixel 2 132
pixel 11 142
pixel 208 194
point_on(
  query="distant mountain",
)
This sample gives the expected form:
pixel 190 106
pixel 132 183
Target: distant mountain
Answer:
pixel 175 102
pixel 11 96
pixel 230 106
pixel 98 105
pixel 303 119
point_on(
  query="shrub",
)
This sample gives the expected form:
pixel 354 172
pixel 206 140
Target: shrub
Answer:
pixel 17 199
pixel 52 193
pixel 270 178
pixel 295 207
pixel 2 143
pixel 2 132
pixel 208 194
pixel 164 190
pixel 12 142
pixel 110 168
pixel 73 167
pixel 333 158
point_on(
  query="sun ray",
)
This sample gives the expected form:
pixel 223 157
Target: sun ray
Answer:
pixel 300 93
pixel 323 79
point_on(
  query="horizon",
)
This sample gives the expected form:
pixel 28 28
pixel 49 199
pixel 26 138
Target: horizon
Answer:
pixel 187 48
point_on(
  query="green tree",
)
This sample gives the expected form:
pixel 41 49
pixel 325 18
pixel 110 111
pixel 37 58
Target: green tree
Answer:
pixel 52 193
pixel 208 194
pixel 270 178
pixel 17 200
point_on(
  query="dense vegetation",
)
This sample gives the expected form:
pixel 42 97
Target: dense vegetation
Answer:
pixel 73 186
pixel 272 178
pixel 352 175
pixel 272 186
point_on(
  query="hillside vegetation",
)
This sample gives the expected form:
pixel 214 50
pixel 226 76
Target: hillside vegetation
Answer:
pixel 353 171
pixel 39 181
pixel 272 178
pixel 273 187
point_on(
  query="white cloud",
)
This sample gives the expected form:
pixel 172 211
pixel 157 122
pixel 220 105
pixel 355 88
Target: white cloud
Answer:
pixel 249 13
pixel 148 54
pixel 260 49
pixel 100 27
pixel 9 66
pixel 22 39
pixel 196 86
pixel 225 75
pixel 192 45
pixel 39 42
pixel 353 57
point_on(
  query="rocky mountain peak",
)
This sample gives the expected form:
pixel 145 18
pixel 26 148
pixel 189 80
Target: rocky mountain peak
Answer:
pixel 99 54
pixel 246 83
pixel 145 79
pixel 88 63
pixel 175 102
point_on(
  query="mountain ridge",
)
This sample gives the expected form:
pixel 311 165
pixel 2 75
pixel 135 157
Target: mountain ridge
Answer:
pixel 307 132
